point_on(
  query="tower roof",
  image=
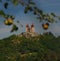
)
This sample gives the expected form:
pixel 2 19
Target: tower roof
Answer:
pixel 27 25
pixel 32 25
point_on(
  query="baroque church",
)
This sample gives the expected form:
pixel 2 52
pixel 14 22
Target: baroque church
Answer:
pixel 30 31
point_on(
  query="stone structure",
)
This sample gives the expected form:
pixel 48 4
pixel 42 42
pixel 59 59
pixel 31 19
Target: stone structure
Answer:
pixel 30 31
pixel 27 28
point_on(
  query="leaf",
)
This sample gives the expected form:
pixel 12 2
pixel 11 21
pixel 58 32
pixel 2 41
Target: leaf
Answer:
pixel 18 21
pixel 12 17
pixel 40 11
pixel 30 9
pixel 53 14
pixel 32 3
pixel 14 28
pixel 0 0
pixel 26 10
pixel 6 16
pixel 59 17
pixel 2 13
pixel 22 3
pixel 35 7
pixel 50 20
pixel 35 12
pixel 5 5
pixel 15 2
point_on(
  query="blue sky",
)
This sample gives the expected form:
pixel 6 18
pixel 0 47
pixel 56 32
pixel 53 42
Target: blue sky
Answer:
pixel 47 6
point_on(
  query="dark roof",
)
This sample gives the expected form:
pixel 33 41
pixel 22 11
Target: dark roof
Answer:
pixel 27 25
pixel 32 25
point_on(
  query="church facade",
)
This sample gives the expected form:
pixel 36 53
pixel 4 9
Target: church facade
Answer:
pixel 30 31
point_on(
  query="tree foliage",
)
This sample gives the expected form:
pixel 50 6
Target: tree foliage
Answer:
pixel 45 47
pixel 30 6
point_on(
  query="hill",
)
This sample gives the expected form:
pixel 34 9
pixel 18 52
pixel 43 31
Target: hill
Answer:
pixel 44 47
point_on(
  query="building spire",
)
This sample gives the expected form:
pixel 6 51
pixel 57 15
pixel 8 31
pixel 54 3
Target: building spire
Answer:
pixel 32 25
pixel 32 28
pixel 27 25
pixel 27 28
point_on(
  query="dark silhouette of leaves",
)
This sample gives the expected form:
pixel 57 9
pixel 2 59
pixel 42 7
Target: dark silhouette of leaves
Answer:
pixel 14 28
pixel 59 17
pixel 0 0
pixel 15 2
pixel 29 6
pixel 53 14
pixel 26 10
pixel 12 17
pixel 6 5
pixel 2 13
pixel 32 3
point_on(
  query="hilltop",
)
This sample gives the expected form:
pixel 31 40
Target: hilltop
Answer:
pixel 44 47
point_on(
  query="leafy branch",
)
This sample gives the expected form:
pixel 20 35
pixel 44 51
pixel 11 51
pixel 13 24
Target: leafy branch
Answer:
pixel 30 6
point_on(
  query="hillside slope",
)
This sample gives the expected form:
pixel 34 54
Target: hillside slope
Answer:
pixel 45 47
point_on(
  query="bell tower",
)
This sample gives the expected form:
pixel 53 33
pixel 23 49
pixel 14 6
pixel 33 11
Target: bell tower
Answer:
pixel 32 30
pixel 27 28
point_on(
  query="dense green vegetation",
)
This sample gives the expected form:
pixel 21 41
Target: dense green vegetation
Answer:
pixel 45 47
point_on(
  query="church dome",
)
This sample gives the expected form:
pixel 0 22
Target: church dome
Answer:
pixel 27 25
pixel 32 25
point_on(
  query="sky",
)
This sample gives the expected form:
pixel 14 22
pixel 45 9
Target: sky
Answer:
pixel 47 6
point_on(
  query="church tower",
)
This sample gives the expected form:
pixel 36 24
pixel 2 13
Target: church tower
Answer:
pixel 27 28
pixel 32 30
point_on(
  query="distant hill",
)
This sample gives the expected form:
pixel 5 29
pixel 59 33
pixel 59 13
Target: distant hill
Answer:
pixel 44 47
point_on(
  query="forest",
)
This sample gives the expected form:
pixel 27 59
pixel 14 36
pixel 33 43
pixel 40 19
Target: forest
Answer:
pixel 45 47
